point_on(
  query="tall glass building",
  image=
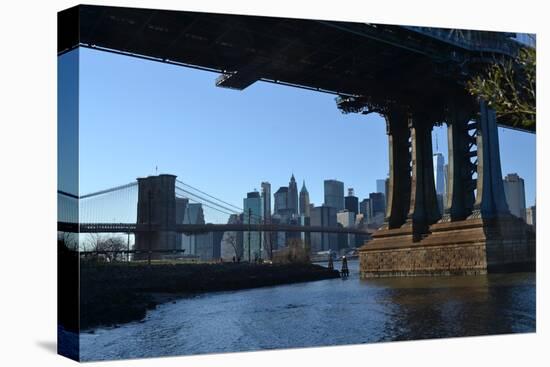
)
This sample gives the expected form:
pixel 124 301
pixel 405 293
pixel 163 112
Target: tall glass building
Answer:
pixel 381 186
pixel 252 246
pixel 352 202
pixel 514 190
pixel 281 198
pixel 439 173
pixel 334 194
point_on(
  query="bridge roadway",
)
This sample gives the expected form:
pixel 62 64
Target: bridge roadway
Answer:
pixel 412 65
pixel 200 228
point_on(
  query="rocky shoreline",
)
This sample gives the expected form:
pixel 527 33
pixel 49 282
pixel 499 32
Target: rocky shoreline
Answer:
pixel 112 294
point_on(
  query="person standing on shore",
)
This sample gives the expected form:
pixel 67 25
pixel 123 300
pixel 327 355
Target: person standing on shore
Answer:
pixel 330 263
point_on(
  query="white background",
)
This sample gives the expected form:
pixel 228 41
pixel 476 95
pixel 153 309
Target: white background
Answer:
pixel 28 183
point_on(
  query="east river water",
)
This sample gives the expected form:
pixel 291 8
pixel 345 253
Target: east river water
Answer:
pixel 327 312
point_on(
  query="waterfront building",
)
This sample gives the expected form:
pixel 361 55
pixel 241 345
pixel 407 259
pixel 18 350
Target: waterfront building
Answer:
pixel 324 216
pixel 351 202
pixel 252 246
pixel 346 219
pixel 304 201
pixel 194 214
pixel 514 190
pixel 334 194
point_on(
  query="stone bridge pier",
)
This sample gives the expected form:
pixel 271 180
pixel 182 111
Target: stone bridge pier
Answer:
pixel 476 233
pixel 156 209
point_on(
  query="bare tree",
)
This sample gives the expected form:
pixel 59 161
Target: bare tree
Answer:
pixel 294 252
pixel 112 248
pixel 92 242
pixel 231 238
pixel 106 248
pixel 69 240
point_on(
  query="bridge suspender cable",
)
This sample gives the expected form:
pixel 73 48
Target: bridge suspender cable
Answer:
pixel 106 191
pixel 210 196
pixel 225 208
pixel 206 205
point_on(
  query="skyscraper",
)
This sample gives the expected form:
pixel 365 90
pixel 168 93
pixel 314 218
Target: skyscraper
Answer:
pixel 439 180
pixel 267 237
pixel 514 190
pixel 194 214
pixel 439 173
pixel 266 200
pixel 292 199
pixel 346 218
pixel 351 202
pixel 323 216
pixel 304 201
pixel 531 215
pixel 381 186
pixel 364 208
pixel 252 205
pixel 181 207
pixel 208 245
pixel 334 194
pixel 280 197
pixel 377 208
pixel 446 172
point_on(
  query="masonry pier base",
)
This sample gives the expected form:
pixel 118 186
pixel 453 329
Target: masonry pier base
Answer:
pixel 467 247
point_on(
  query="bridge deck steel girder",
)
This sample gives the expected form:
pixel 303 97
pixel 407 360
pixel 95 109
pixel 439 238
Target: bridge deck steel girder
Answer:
pixel 383 62
pixel 200 228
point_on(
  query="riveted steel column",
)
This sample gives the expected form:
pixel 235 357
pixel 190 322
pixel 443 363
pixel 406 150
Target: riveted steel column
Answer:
pixel 400 177
pixel 490 200
pixel 460 187
pixel 423 209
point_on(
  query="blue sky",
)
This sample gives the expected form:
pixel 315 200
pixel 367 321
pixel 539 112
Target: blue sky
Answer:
pixel 137 114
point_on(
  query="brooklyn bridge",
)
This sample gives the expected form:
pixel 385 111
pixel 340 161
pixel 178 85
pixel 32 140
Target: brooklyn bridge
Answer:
pixel 414 77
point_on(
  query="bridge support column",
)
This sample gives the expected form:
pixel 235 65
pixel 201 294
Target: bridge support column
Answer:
pixel 489 237
pixel 423 209
pixel 399 187
pixel 460 185
pixel 156 210
pixel 490 201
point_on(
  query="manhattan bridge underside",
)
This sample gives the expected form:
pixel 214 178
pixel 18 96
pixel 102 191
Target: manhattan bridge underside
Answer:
pixel 381 64
pixel 414 77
